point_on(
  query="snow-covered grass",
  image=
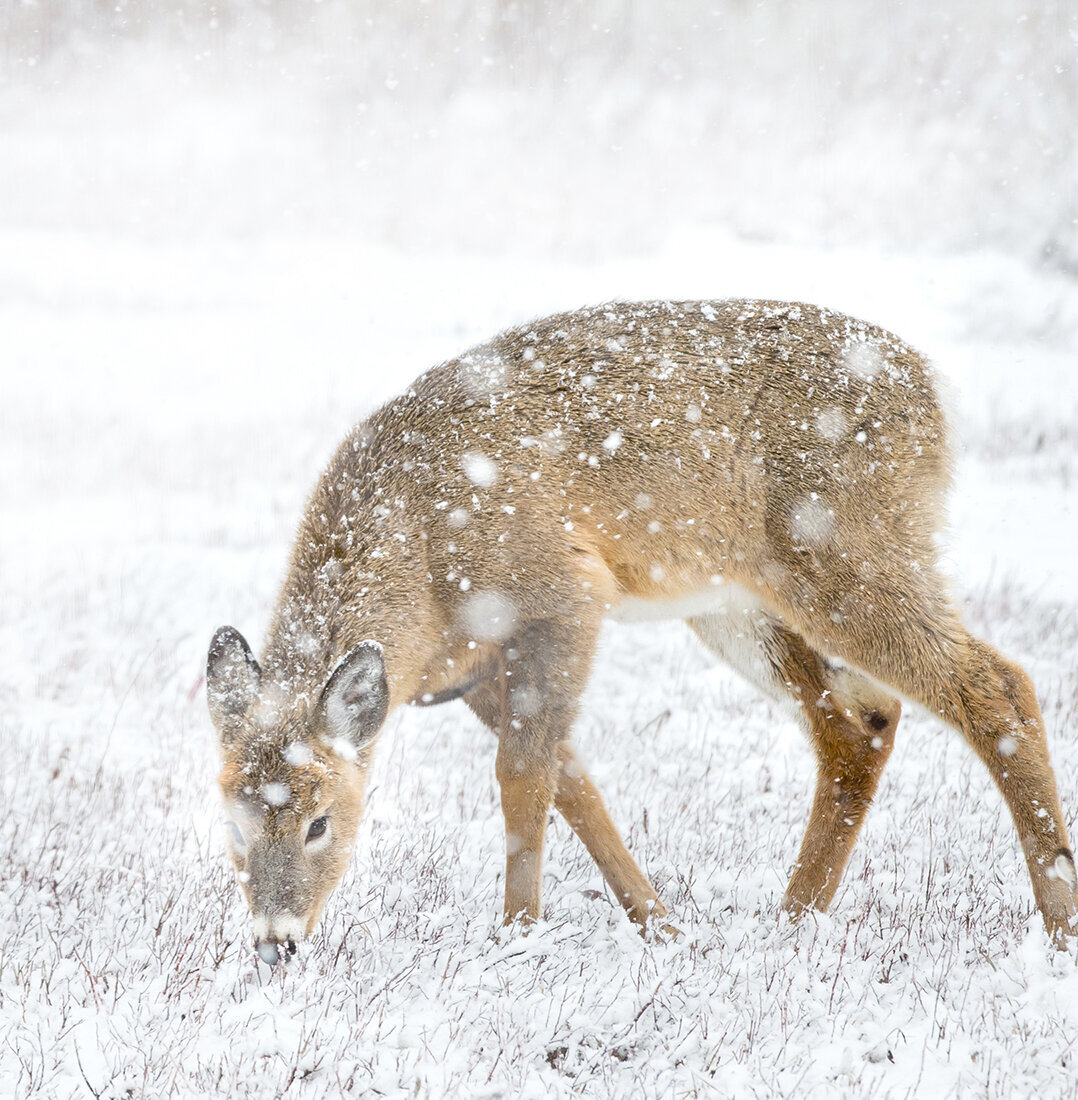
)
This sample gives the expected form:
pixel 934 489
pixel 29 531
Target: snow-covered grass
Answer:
pixel 165 410
pixel 227 231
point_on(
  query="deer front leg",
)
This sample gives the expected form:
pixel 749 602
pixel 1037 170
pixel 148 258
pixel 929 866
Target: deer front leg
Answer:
pixel 580 803
pixel 528 781
pixel 541 671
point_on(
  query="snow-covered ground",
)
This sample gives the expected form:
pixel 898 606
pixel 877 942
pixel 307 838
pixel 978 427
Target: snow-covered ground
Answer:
pixel 185 333
pixel 166 409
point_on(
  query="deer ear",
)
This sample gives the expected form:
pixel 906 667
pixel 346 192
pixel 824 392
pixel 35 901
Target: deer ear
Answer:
pixel 232 676
pixel 355 700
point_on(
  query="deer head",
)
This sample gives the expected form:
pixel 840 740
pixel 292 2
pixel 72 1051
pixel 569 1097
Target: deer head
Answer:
pixel 293 779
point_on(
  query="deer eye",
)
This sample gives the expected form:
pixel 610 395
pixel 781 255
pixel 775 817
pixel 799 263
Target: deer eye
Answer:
pixel 318 828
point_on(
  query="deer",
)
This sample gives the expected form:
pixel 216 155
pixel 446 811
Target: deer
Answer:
pixel 772 473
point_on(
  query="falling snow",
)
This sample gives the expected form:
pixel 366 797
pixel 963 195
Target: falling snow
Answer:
pixel 298 754
pixel 479 469
pixel 489 616
pixel 863 359
pixel 831 423
pixel 218 282
pixel 276 794
pixel 812 522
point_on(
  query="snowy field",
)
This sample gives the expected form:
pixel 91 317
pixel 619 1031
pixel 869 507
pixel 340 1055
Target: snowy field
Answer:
pixel 171 410
pixel 167 399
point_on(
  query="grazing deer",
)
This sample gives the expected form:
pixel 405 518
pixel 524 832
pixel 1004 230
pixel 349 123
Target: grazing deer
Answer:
pixel 774 474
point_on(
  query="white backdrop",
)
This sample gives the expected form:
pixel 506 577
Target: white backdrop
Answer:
pixel 588 128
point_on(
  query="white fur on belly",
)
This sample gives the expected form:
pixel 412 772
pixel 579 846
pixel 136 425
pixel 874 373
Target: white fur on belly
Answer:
pixel 732 622
pixel 716 599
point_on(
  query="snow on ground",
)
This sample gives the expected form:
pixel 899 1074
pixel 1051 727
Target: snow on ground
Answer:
pixel 218 250
pixel 166 410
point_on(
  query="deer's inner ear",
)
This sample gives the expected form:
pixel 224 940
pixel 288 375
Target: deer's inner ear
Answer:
pixel 355 700
pixel 232 676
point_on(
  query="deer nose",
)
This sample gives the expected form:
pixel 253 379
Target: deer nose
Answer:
pixel 275 935
pixel 269 951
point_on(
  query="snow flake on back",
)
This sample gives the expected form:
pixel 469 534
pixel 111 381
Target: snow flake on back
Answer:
pixel 863 359
pixel 831 423
pixel 483 376
pixel 812 523
pixel 479 469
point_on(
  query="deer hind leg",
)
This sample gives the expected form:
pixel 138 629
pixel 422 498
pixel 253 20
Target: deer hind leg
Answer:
pixel 579 802
pixel 851 726
pixel 907 638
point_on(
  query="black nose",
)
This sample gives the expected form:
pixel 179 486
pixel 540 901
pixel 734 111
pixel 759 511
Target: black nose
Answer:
pixel 269 951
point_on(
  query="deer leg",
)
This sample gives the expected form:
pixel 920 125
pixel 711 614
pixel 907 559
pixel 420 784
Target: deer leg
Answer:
pixel 528 782
pixel 999 716
pixel 913 642
pixel 581 805
pixel 526 794
pixel 531 704
pixel 850 723
pixel 852 726
pixel 572 792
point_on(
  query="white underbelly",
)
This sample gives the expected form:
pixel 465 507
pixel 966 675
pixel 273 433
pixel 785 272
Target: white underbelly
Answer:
pixel 733 623
pixel 716 599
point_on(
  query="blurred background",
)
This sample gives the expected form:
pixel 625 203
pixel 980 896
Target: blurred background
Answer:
pixel 570 129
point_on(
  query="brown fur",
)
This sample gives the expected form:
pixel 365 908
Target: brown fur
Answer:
pixel 481 525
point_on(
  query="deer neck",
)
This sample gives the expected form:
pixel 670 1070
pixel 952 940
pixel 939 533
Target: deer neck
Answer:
pixel 364 580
